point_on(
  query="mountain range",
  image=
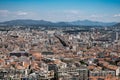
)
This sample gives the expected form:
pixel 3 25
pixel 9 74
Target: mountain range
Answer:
pixel 43 22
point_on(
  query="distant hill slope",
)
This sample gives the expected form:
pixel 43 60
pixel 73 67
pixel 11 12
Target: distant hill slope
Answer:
pixel 42 22
pixel 92 23
pixel 26 22
pixel 117 25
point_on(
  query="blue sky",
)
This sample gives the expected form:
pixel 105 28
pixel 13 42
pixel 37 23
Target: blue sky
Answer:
pixel 61 10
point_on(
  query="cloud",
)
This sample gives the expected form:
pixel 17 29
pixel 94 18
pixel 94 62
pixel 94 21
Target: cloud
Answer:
pixel 116 15
pixel 4 13
pixel 96 16
pixel 21 13
pixel 72 11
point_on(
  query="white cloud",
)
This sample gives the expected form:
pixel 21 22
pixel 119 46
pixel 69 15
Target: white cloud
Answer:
pixel 72 11
pixel 21 13
pixel 116 15
pixel 4 13
pixel 11 15
pixel 96 16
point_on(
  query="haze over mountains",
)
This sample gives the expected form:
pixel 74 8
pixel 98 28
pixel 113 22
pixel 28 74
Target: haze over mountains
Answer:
pixel 43 22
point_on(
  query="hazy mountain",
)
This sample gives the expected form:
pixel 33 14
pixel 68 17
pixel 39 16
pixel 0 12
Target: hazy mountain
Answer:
pixel 91 23
pixel 27 22
pixel 42 22
pixel 63 23
pixel 117 25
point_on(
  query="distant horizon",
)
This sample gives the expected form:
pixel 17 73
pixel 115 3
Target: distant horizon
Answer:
pixel 62 21
pixel 60 10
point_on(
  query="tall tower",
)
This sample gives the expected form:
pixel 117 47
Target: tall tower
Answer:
pixel 117 36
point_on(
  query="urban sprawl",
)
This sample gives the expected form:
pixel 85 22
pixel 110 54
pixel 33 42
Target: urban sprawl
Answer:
pixel 62 53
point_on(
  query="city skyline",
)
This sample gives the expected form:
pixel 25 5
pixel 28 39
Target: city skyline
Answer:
pixel 60 10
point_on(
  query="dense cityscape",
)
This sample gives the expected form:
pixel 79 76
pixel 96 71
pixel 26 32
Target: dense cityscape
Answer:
pixel 59 39
pixel 60 53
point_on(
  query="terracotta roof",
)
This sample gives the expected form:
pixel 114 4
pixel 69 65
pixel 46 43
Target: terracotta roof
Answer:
pixel 1 61
pixel 57 61
pixel 20 67
pixel 91 67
